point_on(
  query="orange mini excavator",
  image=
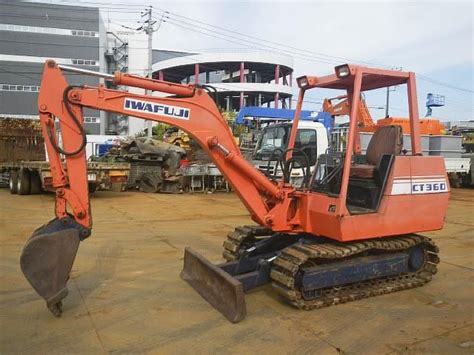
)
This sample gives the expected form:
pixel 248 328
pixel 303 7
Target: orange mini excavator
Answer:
pixel 348 232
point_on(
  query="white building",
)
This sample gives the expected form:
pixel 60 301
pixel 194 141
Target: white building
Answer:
pixel 242 78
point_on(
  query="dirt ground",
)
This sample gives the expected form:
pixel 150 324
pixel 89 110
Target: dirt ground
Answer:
pixel 126 295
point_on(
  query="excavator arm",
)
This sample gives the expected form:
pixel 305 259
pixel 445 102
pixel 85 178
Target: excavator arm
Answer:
pixel 49 254
pixel 191 109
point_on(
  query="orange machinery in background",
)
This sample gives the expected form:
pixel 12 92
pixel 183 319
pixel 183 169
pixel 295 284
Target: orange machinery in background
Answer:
pixel 428 126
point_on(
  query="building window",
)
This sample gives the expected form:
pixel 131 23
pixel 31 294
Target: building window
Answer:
pixel 91 119
pixel 48 30
pixel 24 88
pixel 33 59
pixel 83 62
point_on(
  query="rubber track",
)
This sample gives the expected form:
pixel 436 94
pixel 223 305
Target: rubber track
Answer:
pixel 242 236
pixel 292 259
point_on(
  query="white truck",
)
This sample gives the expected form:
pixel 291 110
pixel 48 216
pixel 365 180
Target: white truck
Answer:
pixel 311 141
pixel 459 171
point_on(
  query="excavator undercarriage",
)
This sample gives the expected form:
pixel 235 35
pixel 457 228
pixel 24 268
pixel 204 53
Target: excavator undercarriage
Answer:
pixel 310 272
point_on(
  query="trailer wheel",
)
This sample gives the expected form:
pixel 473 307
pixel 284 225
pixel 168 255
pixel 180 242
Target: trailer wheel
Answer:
pixel 13 182
pixel 454 180
pixel 92 187
pixel 466 180
pixel 35 183
pixel 23 183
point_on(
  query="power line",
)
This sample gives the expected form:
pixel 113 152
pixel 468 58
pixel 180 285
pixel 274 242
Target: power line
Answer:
pixel 127 8
pixel 106 3
pixel 425 78
pixel 422 77
pixel 278 50
pixel 317 54
pixel 245 44
pixel 240 41
pixel 238 88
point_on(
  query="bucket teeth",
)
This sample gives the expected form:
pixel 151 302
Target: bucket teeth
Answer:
pixel 47 260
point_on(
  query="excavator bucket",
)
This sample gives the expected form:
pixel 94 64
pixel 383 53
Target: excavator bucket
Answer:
pixel 216 286
pixel 47 259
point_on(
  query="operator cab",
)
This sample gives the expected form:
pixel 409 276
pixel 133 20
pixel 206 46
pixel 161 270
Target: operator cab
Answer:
pixel 363 185
pixel 368 173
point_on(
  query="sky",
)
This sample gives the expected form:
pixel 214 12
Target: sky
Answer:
pixel 432 38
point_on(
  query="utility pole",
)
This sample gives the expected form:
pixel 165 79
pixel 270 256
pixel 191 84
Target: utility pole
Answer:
pixel 387 99
pixel 148 28
pixel 387 102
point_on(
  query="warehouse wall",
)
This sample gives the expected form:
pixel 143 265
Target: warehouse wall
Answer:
pixel 33 32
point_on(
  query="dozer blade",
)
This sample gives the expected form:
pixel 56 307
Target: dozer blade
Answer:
pixel 216 286
pixel 47 259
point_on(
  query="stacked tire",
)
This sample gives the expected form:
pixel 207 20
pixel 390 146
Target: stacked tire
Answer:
pixel 25 182
pixel 151 182
pixel 13 182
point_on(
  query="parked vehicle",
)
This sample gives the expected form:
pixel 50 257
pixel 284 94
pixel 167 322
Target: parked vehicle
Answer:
pixel 311 141
pixel 24 167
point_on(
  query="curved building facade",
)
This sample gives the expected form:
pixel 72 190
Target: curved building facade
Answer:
pixel 240 78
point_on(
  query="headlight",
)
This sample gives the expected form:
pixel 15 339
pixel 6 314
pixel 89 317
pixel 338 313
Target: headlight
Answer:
pixel 302 82
pixel 342 71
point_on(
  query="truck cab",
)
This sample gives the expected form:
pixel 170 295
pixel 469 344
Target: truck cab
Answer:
pixel 311 141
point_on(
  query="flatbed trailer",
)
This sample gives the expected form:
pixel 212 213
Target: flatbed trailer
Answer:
pixel 25 169
pixel 31 177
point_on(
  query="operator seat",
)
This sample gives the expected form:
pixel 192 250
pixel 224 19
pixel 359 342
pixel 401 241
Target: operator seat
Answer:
pixel 387 140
